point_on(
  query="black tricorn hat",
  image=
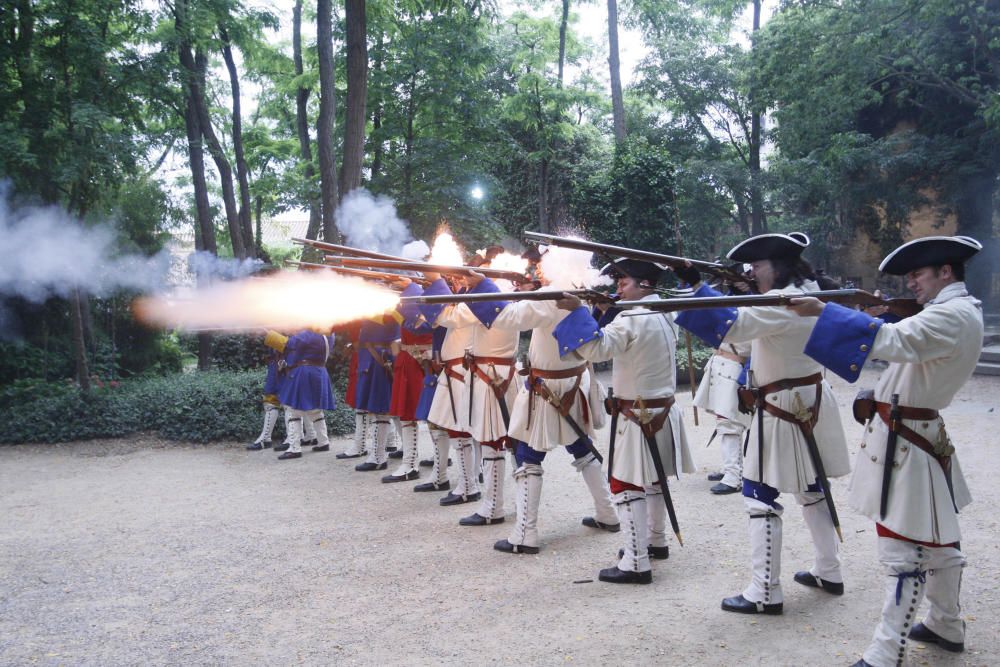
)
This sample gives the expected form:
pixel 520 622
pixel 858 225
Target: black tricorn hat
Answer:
pixel 769 246
pixel 929 251
pixel 634 268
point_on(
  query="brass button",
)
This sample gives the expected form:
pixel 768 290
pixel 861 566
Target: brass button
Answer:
pixel 864 348
pixel 498 309
pixel 869 429
pixel 854 367
pixel 719 336
pixel 581 340
pixel 565 347
pixel 729 323
pixel 903 449
pixel 874 459
pixel 895 464
pixel 863 445
pixel 872 325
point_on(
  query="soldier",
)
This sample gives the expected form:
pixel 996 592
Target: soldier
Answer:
pixel 717 395
pixel 648 441
pixel 552 411
pixel 408 383
pixel 374 392
pixel 445 411
pixel 915 501
pixel 272 406
pixel 491 390
pixel 361 422
pixel 797 434
pixel 306 393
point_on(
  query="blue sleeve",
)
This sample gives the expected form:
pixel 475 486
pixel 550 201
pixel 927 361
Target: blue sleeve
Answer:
pixel 711 324
pixel 842 340
pixel 487 311
pixel 411 311
pixel 430 311
pixel 576 329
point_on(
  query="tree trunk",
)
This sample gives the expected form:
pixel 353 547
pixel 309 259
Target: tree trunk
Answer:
pixel 411 110
pixel 617 102
pixel 302 121
pixel 357 92
pixel 241 161
pixel 327 114
pixel 197 82
pixel 543 195
pixel 563 22
pixel 377 150
pixel 79 347
pixel 758 223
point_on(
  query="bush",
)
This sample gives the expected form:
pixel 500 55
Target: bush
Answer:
pixel 193 407
pixel 700 354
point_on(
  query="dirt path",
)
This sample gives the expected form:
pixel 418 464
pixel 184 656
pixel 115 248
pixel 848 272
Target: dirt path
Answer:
pixel 147 552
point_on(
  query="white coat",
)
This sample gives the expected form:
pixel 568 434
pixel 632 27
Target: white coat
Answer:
pixel 716 393
pixel 931 355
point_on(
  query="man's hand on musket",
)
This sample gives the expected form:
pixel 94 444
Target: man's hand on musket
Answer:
pixel 402 281
pixel 473 278
pixel 431 275
pixel 569 302
pixel 876 311
pixel 806 306
pixel 688 274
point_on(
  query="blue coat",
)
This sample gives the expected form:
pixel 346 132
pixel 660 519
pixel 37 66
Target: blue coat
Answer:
pixel 307 387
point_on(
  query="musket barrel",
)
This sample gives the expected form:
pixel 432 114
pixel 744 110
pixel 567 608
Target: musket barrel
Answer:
pixel 346 250
pixel 406 265
pixel 849 296
pixel 620 251
pixel 537 295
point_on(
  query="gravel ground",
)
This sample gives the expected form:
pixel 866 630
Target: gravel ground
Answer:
pixel 141 551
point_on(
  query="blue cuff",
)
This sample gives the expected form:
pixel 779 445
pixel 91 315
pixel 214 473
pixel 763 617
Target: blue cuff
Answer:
pixel 410 311
pixel 710 325
pixel 576 329
pixel 742 379
pixel 842 340
pixel 487 311
pixel 430 311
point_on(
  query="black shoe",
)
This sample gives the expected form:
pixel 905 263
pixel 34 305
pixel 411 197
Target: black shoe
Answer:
pixel 741 605
pixel 282 447
pixel 432 486
pixel 507 547
pixel 398 454
pixel 478 520
pixel 453 499
pixel 426 463
pixel 405 477
pixel 831 587
pixel 591 522
pixel 345 455
pixel 258 446
pixel 921 633
pixel 321 448
pixel 368 466
pixel 656 553
pixel 289 455
pixel 614 575
pixel 310 443
pixel 715 476
pixel 721 489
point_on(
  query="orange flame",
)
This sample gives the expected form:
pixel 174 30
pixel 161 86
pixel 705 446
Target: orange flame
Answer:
pixel 287 300
pixel 445 250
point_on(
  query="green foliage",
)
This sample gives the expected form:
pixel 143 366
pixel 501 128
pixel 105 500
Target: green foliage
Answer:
pixel 191 407
pixel 700 354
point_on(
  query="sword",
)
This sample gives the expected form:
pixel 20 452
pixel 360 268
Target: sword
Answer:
pixel 890 454
pixel 612 409
pixel 654 452
pixel 451 395
pixel 546 394
pixel 824 483
pixel 760 426
pixel 501 400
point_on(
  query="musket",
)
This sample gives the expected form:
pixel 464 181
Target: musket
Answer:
pixel 714 268
pixel 900 307
pixel 360 273
pixel 536 295
pixel 890 454
pixel 406 265
pixel 346 249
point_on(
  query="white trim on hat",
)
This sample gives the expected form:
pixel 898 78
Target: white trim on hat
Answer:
pixel 962 240
pixel 798 238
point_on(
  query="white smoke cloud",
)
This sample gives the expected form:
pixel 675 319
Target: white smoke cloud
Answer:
pixel 371 223
pixel 415 250
pixel 46 253
pixel 204 264
pixel 568 268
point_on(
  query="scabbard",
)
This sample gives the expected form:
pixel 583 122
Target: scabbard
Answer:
pixel 612 436
pixel 654 453
pixel 760 436
pixel 546 394
pixel 451 394
pixel 890 456
pixel 824 483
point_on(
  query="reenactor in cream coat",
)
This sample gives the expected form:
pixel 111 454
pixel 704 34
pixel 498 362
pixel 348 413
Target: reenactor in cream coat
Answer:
pixel 915 506
pixel 797 429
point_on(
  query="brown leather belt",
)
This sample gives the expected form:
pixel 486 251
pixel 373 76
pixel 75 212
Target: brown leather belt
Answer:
pixel 299 364
pixel 536 377
pixel 941 454
pixel 790 383
pixel 449 364
pixel 650 427
pixel 499 384
pixel 729 355
pixel 563 374
pixel 806 419
pixel 496 361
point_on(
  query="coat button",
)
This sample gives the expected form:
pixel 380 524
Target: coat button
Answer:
pixel 863 348
pixel 874 459
pixel 854 367
pixel 729 323
pixel 863 445
pixel 872 325
pixel 581 340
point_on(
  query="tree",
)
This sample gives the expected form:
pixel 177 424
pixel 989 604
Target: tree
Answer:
pixel 617 102
pixel 357 92
pixel 327 116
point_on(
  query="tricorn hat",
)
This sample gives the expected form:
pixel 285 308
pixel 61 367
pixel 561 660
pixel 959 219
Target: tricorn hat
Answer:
pixel 634 268
pixel 769 246
pixel 929 251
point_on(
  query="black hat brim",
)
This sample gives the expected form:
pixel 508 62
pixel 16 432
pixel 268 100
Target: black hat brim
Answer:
pixel 929 251
pixel 769 246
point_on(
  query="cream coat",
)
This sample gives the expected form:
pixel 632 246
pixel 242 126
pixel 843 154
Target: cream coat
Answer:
pixel 455 344
pixel 486 421
pixel 931 356
pixel 644 350
pixel 777 337
pixel 716 393
pixel 546 429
